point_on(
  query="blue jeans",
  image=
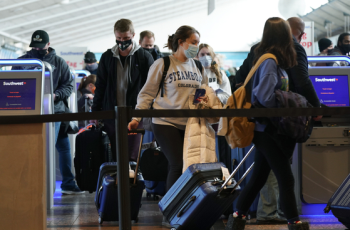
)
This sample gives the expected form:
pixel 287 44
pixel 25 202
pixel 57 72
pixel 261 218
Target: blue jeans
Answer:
pixel 65 158
pixel 269 202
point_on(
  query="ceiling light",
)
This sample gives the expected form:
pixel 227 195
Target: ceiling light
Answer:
pixel 65 2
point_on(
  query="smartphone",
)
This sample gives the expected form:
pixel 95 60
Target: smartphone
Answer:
pixel 199 93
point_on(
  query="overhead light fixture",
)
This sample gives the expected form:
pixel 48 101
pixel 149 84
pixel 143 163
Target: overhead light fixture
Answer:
pixel 65 2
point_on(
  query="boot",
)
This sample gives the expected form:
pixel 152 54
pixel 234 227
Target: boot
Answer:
pixel 235 223
pixel 299 226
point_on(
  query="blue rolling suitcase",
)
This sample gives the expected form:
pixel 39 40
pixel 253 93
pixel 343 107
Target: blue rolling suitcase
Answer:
pixel 106 198
pixel 199 197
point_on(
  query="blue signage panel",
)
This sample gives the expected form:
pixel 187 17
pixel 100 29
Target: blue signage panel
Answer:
pixel 17 94
pixel 332 90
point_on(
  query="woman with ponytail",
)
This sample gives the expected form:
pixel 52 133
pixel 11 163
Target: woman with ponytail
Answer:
pixel 217 78
pixel 182 79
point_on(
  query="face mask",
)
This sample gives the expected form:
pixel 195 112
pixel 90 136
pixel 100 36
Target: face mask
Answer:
pixel 150 50
pixel 206 61
pixel 192 51
pixel 39 54
pixel 330 51
pixel 345 48
pixel 123 45
pixel 92 67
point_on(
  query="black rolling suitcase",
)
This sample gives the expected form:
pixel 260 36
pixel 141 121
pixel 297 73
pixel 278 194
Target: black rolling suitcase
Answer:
pixel 106 198
pixel 339 203
pixel 199 197
pixel 92 149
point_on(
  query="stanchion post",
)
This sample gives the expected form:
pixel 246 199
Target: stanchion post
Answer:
pixel 122 115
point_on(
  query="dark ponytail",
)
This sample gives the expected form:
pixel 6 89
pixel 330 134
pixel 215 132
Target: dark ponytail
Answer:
pixel 182 34
pixel 85 81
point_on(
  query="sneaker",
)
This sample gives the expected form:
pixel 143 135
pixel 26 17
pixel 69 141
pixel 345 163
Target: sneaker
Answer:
pixel 299 226
pixel 76 190
pixel 234 223
pixel 165 223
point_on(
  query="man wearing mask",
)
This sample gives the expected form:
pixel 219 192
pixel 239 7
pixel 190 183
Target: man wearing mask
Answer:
pixel 342 48
pixel 121 74
pixel 91 62
pixel 147 43
pixel 299 82
pixel 63 86
pixel 326 48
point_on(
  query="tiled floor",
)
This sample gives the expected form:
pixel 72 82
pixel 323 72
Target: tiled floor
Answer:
pixel 73 212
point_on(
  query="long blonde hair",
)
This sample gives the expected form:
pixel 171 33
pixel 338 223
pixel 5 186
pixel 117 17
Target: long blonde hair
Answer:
pixel 213 67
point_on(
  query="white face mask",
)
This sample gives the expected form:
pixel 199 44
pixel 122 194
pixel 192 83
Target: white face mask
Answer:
pixel 206 61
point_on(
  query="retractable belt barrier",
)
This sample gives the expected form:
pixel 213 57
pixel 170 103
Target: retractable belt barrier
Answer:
pixel 122 116
pixel 258 112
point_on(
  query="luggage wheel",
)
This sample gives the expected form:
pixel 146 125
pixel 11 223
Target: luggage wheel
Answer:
pixel 155 197
pixel 100 221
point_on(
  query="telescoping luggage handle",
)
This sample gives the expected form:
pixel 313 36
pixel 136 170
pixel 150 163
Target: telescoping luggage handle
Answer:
pixel 236 170
pixel 142 131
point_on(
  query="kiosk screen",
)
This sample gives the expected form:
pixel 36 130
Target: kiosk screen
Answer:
pixel 332 90
pixel 17 94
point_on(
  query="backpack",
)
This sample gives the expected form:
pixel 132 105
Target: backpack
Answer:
pixel 147 121
pixel 240 130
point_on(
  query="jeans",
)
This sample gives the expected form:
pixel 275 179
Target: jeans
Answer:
pixel 269 202
pixel 65 158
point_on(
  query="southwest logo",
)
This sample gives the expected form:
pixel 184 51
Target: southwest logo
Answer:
pixel 14 83
pixel 326 79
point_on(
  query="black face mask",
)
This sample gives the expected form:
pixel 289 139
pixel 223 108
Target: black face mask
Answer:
pixel 39 54
pixel 330 51
pixel 123 45
pixel 150 50
pixel 345 48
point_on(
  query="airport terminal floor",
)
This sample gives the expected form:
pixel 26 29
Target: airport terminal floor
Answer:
pixel 73 212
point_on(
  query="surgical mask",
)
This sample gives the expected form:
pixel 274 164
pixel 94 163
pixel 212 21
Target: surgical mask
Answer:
pixel 39 54
pixel 192 51
pixel 206 61
pixel 123 45
pixel 345 48
pixel 91 67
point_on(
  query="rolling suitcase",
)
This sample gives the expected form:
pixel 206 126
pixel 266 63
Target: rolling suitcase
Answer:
pixel 106 197
pixel 199 197
pixel 339 203
pixel 92 149
pixel 155 188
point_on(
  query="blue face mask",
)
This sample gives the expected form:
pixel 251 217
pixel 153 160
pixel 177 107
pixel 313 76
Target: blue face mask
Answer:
pixel 192 51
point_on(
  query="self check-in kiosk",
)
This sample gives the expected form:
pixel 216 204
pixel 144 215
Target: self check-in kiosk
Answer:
pixel 23 182
pixel 325 157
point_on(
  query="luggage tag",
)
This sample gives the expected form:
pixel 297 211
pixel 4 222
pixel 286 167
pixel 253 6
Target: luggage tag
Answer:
pixel 226 175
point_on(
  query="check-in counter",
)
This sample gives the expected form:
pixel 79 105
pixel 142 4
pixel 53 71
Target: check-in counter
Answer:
pixel 324 159
pixel 23 148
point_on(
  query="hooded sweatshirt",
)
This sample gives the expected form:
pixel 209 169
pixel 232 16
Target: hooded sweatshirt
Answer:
pixel 182 80
pixel 122 71
pixel 223 90
pixel 62 78
pixel 118 84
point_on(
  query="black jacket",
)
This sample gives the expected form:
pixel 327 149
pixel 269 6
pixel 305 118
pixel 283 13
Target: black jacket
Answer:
pixel 62 78
pixel 106 83
pixel 299 80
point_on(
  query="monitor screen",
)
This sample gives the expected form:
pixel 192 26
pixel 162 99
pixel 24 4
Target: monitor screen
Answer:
pixel 332 90
pixel 17 94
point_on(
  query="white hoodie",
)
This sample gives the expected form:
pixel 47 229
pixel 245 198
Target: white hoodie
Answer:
pixel 182 79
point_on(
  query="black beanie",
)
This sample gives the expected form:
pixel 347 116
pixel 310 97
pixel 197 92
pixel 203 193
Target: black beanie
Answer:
pixel 324 43
pixel 90 57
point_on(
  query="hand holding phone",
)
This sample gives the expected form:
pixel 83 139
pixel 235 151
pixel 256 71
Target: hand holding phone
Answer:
pixel 199 93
